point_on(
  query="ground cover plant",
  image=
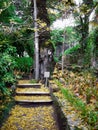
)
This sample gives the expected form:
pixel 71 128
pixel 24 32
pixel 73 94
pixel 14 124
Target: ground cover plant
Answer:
pixel 81 90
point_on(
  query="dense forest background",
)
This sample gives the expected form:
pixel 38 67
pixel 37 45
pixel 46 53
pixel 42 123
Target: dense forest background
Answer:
pixel 30 44
pixel 77 45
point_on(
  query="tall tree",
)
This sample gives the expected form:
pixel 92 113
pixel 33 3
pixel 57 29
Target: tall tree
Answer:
pixel 82 13
pixel 36 42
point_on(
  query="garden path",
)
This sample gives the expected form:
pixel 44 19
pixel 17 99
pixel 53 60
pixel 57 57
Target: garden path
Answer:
pixel 33 109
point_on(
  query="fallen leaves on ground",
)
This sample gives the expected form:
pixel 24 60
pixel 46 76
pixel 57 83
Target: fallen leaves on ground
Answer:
pixel 73 116
pixel 84 84
pixel 31 118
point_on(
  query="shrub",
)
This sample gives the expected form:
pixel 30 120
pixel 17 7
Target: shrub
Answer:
pixel 24 64
pixel 7 65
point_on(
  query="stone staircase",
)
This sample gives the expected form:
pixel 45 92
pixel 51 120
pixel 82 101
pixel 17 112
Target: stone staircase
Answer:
pixel 32 94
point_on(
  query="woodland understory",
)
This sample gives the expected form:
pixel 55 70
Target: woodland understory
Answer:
pixel 30 46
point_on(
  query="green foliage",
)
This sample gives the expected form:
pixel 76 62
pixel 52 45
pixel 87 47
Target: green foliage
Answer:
pixel 71 36
pixel 91 49
pixel 73 100
pixel 7 14
pixel 7 11
pixel 33 81
pixel 56 37
pixel 4 40
pixel 29 41
pixel 56 59
pixel 53 17
pixel 89 115
pixel 82 14
pixel 72 49
pixel 7 65
pixel 23 41
pixel 24 64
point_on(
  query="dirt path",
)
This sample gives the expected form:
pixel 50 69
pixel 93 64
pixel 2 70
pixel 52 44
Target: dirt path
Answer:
pixel 31 118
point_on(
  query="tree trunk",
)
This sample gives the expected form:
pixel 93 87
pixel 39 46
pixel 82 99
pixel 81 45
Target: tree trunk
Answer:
pixel 63 53
pixel 93 59
pixel 36 42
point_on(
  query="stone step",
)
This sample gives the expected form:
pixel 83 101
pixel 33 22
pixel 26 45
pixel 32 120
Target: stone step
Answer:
pixel 28 85
pixel 34 97
pixel 34 101
pixel 33 93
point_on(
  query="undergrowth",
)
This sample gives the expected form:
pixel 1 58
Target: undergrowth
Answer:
pixel 88 115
